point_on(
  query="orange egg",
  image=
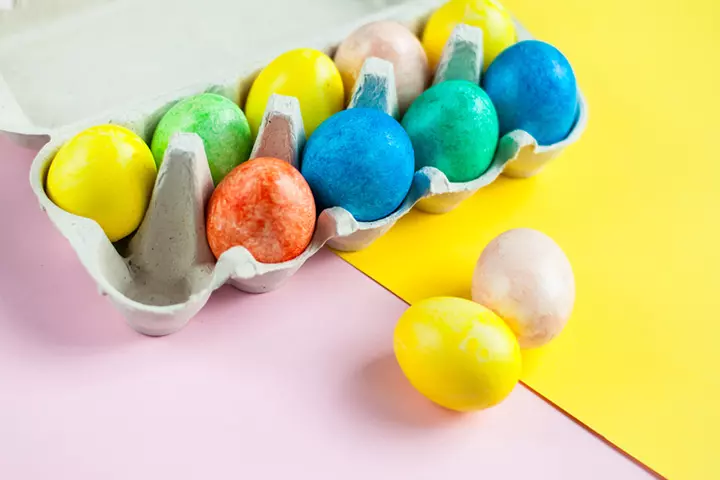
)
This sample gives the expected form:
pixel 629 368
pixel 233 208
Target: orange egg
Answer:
pixel 264 205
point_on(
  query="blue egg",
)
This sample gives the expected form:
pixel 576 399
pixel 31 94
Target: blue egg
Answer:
pixel 361 160
pixel 533 88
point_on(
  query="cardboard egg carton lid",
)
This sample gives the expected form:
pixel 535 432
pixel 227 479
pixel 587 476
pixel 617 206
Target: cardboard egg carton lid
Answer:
pixel 66 63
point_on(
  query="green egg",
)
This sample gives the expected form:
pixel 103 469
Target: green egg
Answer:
pixel 453 127
pixel 218 121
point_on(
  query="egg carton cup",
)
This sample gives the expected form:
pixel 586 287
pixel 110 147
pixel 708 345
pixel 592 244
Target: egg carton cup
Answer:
pixel 165 273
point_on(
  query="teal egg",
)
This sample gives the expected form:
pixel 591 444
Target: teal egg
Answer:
pixel 218 121
pixel 453 127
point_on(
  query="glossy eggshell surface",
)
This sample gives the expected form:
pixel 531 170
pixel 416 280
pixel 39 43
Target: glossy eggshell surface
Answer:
pixel 491 17
pixel 534 89
pixel 390 41
pixel 524 277
pixel 361 160
pixel 221 125
pixel 105 173
pixel 306 74
pixel 264 205
pixel 457 353
pixel 454 128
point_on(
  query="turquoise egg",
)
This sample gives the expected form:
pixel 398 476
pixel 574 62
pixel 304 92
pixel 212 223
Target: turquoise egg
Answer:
pixel 453 127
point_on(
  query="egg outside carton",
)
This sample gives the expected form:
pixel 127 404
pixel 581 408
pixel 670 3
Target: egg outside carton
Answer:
pixel 518 153
pixel 167 275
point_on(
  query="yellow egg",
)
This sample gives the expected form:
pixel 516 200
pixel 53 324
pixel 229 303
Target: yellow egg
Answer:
pixel 495 22
pixel 457 353
pixel 307 74
pixel 105 173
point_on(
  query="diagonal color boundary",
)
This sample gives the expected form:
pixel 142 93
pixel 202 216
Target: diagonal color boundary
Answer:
pixel 564 412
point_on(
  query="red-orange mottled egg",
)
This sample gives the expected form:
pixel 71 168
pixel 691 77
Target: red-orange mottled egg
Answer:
pixel 264 205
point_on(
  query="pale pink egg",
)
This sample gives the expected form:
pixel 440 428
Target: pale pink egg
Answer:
pixel 390 41
pixel 525 277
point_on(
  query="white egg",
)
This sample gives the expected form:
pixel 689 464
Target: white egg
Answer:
pixel 525 277
pixel 390 41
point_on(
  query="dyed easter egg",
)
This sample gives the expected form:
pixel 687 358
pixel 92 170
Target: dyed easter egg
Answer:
pixel 457 353
pixel 307 74
pixel 218 121
pixel 361 160
pixel 533 88
pixel 454 128
pixel 524 277
pixel 105 173
pixel 390 41
pixel 264 205
pixel 491 17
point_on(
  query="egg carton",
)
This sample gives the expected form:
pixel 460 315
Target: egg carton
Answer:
pixel 165 274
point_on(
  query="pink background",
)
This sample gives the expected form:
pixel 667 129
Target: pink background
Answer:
pixel 296 382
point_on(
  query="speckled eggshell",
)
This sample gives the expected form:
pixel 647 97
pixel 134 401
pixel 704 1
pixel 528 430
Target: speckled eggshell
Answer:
pixel 534 89
pixel 454 128
pixel 218 121
pixel 390 41
pixel 524 277
pixel 264 205
pixel 359 159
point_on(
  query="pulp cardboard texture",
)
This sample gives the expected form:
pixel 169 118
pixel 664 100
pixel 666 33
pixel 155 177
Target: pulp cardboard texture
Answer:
pixel 167 273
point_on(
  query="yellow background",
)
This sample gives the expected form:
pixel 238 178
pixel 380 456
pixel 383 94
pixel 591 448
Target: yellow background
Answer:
pixel 636 207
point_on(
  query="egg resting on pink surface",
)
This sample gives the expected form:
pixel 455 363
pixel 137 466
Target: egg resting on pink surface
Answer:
pixel 525 277
pixel 264 205
pixel 390 41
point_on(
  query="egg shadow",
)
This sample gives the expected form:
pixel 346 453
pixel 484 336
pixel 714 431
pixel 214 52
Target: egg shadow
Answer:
pixel 380 390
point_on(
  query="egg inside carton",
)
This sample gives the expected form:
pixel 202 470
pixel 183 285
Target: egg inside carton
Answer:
pixel 166 272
